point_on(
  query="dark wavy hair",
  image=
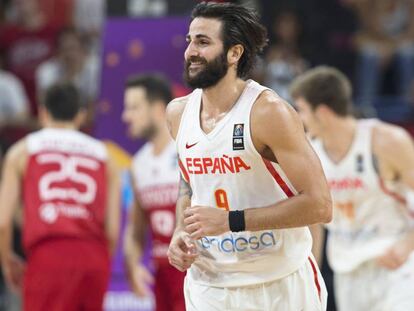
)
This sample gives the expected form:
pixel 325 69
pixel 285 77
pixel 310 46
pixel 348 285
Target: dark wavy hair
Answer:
pixel 324 85
pixel 62 101
pixel 156 85
pixel 240 25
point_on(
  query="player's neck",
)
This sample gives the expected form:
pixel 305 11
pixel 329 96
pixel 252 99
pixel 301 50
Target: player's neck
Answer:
pixel 161 140
pixel 60 125
pixel 339 136
pixel 222 96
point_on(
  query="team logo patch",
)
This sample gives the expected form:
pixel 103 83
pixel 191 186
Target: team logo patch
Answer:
pixel 238 130
pixel 48 213
pixel 238 136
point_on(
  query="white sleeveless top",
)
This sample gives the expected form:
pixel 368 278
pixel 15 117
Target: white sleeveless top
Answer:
pixel 369 215
pixel 224 170
pixel 66 141
pixel 156 184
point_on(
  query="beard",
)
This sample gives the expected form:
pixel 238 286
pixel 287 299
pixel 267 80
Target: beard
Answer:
pixel 208 76
pixel 146 133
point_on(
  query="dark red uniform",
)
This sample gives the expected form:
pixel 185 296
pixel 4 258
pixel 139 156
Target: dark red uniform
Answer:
pixel 64 195
pixel 25 50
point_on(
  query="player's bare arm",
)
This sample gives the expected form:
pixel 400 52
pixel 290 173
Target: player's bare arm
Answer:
pixel 10 193
pixel 276 127
pixel 139 276
pixel 135 232
pixel 174 113
pixel 394 150
pixel 278 135
pixel 181 252
pixel 113 209
pixel 175 110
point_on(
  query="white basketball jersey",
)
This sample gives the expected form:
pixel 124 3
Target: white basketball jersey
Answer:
pixel 156 180
pixel 224 170
pixel 66 141
pixel 369 215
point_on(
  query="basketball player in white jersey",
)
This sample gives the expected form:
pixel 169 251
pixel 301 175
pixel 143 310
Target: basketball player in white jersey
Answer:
pixel 251 182
pixel 369 165
pixel 68 188
pixel 155 177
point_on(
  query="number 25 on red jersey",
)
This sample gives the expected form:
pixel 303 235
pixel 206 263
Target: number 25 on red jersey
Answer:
pixel 68 170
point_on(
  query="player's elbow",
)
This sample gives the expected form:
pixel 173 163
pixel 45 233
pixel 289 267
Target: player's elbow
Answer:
pixel 323 208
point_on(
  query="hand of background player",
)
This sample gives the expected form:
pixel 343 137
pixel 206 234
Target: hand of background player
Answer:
pixel 203 221
pixel 182 251
pixel 396 255
pixel 141 280
pixel 13 271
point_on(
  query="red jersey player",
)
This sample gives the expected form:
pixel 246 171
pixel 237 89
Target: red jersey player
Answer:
pixel 156 176
pixel 69 191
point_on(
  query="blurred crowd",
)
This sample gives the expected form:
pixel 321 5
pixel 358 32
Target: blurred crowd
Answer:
pixel 47 41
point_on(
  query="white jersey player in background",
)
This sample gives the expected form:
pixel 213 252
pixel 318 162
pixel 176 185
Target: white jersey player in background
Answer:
pixel 253 182
pixel 155 177
pixel 369 165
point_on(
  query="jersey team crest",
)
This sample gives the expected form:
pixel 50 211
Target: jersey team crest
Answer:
pixel 238 139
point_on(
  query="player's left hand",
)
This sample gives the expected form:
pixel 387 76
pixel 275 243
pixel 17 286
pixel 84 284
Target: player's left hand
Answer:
pixel 140 279
pixel 13 271
pixel 203 221
pixel 396 255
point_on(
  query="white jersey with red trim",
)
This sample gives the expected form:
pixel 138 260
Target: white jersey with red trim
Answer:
pixel 156 184
pixel 369 215
pixel 225 170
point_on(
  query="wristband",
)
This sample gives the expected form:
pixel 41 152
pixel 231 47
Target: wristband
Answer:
pixel 236 221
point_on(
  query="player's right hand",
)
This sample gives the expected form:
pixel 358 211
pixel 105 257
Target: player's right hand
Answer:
pixel 141 280
pixel 397 255
pixel 13 271
pixel 182 251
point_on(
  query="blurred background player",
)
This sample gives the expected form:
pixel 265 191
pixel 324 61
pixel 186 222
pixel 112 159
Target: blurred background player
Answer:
pixel 370 170
pixel 69 191
pixel 155 178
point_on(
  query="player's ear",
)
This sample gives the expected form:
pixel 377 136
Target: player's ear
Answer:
pixel 235 53
pixel 323 109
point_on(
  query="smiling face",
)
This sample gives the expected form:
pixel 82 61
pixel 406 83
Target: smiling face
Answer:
pixel 205 58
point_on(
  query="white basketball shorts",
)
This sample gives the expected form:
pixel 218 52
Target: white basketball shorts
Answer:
pixel 303 290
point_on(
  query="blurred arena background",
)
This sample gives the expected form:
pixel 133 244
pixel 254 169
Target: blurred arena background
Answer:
pixel 96 44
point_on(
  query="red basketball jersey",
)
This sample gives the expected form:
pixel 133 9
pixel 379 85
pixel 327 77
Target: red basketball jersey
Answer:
pixel 64 187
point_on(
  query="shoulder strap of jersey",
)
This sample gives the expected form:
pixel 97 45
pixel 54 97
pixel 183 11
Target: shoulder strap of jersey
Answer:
pixel 190 110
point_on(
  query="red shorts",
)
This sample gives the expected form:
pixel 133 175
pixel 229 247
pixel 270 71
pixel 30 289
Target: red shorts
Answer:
pixel 66 275
pixel 169 291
